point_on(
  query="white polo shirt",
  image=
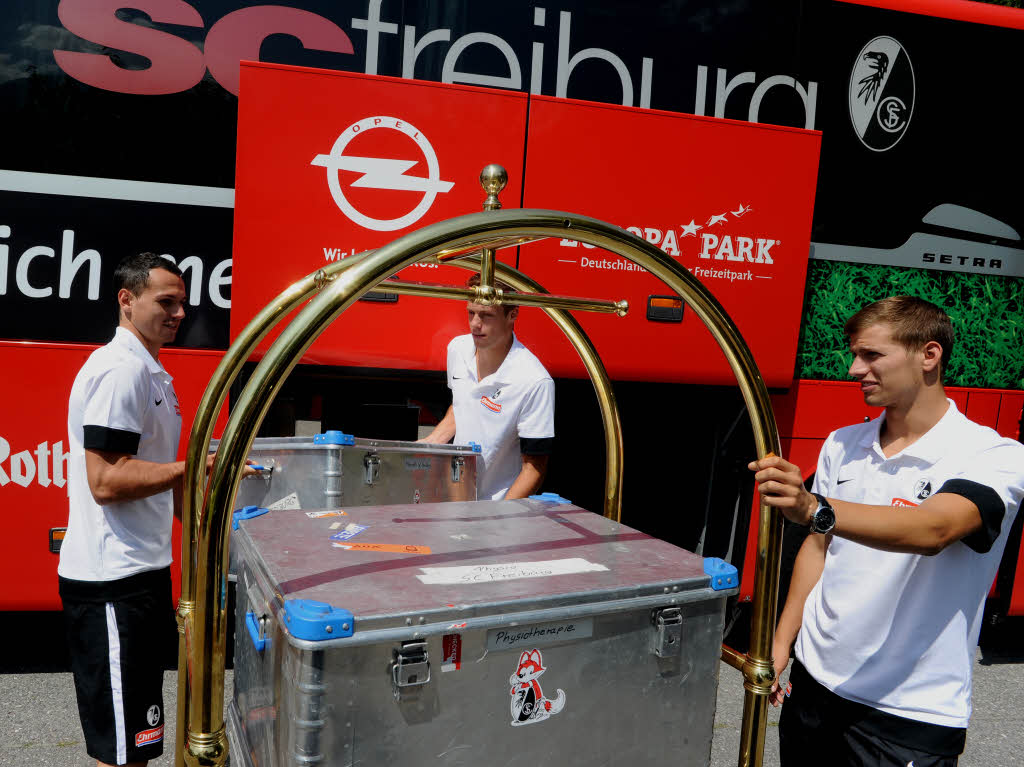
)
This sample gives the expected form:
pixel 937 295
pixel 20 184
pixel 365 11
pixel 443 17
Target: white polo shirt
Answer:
pixel 897 631
pixel 509 412
pixel 122 401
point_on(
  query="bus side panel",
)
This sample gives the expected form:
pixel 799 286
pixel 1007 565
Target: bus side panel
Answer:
pixel 730 201
pixel 331 164
pixel 34 456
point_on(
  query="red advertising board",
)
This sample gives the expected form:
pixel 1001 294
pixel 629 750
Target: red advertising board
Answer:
pixel 330 164
pixel 34 457
pixel 730 201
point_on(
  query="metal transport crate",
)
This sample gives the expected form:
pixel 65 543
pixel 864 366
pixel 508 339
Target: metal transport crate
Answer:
pixel 333 469
pixel 493 632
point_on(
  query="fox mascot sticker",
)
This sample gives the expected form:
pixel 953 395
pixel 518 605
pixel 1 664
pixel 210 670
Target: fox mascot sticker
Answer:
pixel 528 702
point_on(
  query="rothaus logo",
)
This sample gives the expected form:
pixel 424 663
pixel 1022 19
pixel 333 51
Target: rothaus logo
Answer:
pixel 382 173
pixel 882 93
pixel 46 465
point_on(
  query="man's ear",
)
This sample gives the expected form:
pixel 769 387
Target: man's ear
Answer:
pixel 124 301
pixel 513 313
pixel 931 356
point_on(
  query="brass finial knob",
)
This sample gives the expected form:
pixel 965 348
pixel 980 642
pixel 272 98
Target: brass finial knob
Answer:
pixel 493 179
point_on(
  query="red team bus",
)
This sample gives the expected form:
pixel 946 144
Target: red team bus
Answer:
pixel 801 159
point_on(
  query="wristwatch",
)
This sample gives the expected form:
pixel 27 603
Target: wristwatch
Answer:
pixel 824 517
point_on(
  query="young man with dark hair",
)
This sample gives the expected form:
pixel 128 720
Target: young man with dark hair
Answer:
pixel 503 399
pixel 124 484
pixel 909 516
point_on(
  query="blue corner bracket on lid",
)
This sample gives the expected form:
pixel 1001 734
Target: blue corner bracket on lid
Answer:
pixel 723 575
pixel 246 512
pixel 316 621
pixel 334 437
pixel 550 498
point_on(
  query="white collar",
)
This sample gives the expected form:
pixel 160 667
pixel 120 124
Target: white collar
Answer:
pixel 129 341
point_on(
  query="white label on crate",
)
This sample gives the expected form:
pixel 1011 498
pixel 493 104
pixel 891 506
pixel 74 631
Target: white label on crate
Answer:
pixel 543 633
pixel 448 576
pixel 290 501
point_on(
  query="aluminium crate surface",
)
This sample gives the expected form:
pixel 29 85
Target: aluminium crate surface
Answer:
pixel 501 615
pixel 333 470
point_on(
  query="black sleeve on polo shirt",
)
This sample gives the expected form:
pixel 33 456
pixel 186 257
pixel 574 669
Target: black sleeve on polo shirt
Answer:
pixel 990 506
pixel 111 440
pixel 536 445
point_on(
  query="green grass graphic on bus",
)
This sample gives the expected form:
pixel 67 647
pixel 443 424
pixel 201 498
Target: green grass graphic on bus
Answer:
pixel 987 313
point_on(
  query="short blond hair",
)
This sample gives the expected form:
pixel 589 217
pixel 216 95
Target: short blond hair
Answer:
pixel 913 320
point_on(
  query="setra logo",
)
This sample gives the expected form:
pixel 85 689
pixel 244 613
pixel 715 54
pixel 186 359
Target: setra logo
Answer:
pixel 881 93
pixel 382 173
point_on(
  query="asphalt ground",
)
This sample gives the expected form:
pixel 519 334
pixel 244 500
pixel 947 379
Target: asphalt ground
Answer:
pixel 40 728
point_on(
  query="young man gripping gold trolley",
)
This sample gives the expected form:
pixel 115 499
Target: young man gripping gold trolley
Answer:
pixel 909 515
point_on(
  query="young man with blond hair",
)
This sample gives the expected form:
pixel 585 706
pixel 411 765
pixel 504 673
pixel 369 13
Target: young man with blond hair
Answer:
pixel 909 515
pixel 502 399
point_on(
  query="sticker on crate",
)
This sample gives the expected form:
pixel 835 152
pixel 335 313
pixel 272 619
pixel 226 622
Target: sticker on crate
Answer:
pixel 529 705
pixel 451 652
pixel 350 531
pixel 290 501
pixel 388 548
pixel 542 633
pixel 509 571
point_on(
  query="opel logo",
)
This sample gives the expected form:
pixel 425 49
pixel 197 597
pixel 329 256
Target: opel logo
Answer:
pixel 382 173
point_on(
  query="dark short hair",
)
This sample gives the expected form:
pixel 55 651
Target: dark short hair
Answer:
pixel 133 272
pixel 504 287
pixel 913 320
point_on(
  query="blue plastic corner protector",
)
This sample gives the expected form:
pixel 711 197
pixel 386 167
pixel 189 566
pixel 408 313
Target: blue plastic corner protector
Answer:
pixel 334 437
pixel 550 498
pixel 723 575
pixel 477 448
pixel 246 512
pixel 316 621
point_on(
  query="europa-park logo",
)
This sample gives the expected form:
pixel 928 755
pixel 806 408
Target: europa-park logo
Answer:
pixel 718 236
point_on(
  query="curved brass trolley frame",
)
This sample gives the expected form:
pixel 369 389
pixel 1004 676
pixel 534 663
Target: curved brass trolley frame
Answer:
pixel 203 617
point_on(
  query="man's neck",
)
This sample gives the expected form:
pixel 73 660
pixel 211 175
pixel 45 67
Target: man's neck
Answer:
pixel 153 350
pixel 489 360
pixel 905 425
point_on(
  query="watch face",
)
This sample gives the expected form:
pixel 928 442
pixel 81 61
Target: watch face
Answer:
pixel 824 519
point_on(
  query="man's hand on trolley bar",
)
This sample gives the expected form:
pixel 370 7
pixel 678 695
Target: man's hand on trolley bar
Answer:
pixel 247 470
pixel 781 485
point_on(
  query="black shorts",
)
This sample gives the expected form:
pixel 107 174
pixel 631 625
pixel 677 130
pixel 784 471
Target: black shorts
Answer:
pixel 819 727
pixel 118 638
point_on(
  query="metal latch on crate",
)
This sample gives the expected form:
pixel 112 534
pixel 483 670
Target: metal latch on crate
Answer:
pixel 411 667
pixel 458 466
pixel 371 466
pixel 668 632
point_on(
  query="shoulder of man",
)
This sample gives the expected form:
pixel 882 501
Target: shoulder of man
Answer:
pixel 528 368
pixel 112 358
